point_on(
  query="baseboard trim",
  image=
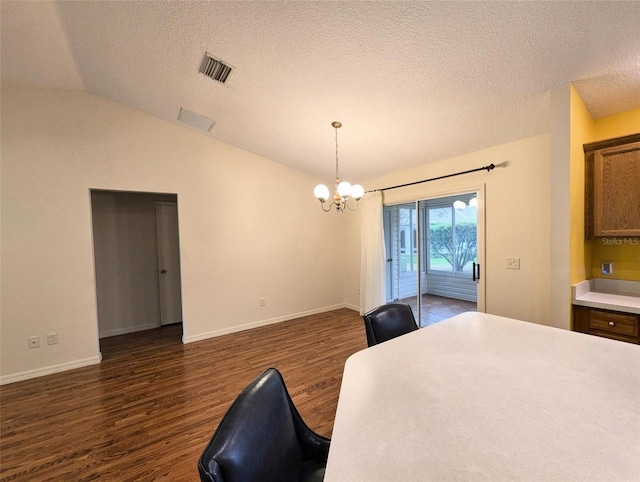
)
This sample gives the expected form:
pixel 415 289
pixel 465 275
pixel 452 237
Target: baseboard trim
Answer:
pixel 40 372
pixel 352 307
pixel 128 329
pixel 257 324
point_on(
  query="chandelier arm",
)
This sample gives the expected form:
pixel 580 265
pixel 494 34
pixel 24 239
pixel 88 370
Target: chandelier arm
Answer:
pixel 350 208
pixel 328 209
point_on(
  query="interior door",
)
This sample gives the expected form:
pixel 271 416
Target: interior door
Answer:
pixel 168 267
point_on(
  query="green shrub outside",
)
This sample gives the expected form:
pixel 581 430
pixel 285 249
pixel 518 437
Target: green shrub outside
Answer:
pixel 457 252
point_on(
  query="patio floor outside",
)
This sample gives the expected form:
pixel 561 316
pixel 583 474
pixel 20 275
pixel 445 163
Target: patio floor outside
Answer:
pixel 438 308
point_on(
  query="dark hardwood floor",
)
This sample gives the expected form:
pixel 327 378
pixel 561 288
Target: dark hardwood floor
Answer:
pixel 148 410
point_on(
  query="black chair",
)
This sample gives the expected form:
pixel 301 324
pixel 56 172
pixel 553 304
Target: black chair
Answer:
pixel 388 321
pixel 263 438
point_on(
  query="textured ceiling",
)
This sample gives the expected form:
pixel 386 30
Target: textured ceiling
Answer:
pixel 412 82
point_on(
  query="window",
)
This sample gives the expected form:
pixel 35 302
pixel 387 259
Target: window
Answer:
pixel 452 240
pixel 408 232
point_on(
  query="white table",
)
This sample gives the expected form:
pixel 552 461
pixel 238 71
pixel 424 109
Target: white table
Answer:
pixel 482 397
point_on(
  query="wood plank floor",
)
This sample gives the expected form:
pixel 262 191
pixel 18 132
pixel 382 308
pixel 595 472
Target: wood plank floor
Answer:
pixel 148 410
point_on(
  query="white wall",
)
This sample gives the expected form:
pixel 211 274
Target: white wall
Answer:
pixel 559 173
pixel 517 221
pixel 249 228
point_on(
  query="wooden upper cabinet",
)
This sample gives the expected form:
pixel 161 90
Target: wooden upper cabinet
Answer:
pixel 612 190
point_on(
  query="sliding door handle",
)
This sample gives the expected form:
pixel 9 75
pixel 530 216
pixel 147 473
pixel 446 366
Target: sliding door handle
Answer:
pixel 476 274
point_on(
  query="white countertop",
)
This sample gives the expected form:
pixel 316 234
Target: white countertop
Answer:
pixel 613 295
pixel 482 397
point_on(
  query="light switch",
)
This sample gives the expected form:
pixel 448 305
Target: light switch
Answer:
pixel 513 263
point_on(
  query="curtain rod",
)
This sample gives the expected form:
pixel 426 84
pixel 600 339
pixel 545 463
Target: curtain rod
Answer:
pixel 488 168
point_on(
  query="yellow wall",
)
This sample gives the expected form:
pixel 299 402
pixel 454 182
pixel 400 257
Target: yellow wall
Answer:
pixel 623 124
pixel 625 257
pixel 623 252
pixel 582 132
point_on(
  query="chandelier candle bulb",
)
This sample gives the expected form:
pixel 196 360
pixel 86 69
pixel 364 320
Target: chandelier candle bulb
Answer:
pixel 344 189
pixel 321 192
pixel 357 191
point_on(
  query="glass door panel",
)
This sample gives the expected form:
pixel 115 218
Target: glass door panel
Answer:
pixel 408 266
pixel 448 246
pixel 440 254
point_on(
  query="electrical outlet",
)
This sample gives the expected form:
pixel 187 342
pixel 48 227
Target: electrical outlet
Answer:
pixel 52 339
pixel 513 263
pixel 34 341
pixel 263 302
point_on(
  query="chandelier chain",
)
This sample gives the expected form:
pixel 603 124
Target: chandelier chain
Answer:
pixel 337 176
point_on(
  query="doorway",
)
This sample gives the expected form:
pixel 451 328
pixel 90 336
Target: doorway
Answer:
pixel 137 261
pixel 435 251
pixel 168 262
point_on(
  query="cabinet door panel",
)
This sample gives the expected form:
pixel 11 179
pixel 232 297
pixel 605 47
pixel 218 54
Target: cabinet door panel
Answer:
pixel 612 187
pixel 617 191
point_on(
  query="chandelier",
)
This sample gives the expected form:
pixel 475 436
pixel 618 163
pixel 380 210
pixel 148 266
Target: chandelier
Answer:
pixel 343 191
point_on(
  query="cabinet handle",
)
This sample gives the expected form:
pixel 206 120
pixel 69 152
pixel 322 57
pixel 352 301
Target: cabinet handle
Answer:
pixel 611 323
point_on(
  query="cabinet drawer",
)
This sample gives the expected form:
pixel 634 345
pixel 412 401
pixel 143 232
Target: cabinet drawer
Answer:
pixel 613 323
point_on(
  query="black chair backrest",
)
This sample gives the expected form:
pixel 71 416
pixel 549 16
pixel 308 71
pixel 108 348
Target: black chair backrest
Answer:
pixel 257 439
pixel 388 321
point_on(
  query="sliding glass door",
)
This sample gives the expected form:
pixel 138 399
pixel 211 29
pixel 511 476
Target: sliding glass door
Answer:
pixel 432 261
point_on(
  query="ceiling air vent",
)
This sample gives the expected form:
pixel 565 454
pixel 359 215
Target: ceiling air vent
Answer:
pixel 215 69
pixel 195 120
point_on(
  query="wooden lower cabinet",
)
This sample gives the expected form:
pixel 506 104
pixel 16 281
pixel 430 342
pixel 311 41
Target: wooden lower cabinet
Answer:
pixel 609 324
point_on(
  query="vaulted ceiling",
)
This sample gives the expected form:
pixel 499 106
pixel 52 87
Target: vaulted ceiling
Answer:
pixel 412 82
